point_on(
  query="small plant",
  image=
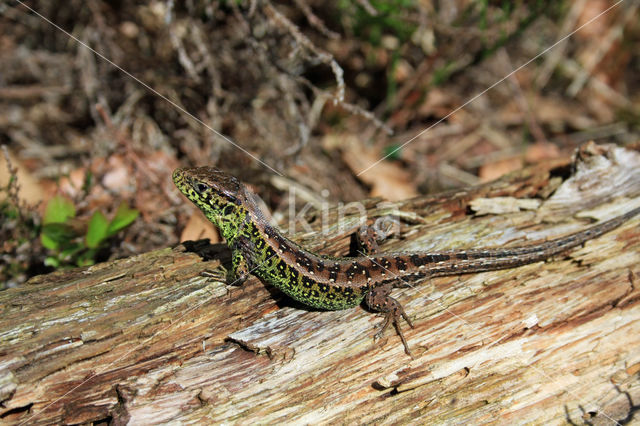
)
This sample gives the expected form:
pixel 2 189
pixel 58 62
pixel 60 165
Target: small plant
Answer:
pixel 18 228
pixel 389 18
pixel 68 239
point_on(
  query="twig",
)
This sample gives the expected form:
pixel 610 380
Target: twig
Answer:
pixel 325 57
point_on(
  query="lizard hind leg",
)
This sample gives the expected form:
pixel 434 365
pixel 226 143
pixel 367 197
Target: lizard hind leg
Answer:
pixel 366 241
pixel 379 300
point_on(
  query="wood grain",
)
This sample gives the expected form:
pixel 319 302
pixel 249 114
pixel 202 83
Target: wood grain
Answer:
pixel 148 339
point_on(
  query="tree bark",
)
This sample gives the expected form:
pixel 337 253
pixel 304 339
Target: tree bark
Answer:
pixel 151 339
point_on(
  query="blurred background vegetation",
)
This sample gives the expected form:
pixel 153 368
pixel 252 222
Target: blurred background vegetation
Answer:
pixel 317 90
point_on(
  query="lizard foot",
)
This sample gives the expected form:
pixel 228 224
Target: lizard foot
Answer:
pixel 379 300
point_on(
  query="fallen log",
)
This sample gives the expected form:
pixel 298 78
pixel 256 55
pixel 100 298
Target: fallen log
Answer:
pixel 152 339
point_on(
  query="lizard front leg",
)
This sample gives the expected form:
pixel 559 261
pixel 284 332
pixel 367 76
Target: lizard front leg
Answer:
pixel 379 300
pixel 237 274
pixel 243 260
pixel 239 271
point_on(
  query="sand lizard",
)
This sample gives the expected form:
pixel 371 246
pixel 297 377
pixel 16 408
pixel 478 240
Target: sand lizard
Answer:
pixel 340 283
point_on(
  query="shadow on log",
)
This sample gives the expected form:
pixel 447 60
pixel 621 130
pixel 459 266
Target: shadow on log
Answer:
pixel 149 339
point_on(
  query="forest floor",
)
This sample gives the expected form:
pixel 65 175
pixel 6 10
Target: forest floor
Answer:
pixel 100 101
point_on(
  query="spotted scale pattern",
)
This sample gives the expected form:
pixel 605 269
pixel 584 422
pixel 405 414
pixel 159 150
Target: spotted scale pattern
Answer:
pixel 340 283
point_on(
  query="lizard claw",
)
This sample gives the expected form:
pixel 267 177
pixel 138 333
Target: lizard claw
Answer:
pixel 392 317
pixel 382 302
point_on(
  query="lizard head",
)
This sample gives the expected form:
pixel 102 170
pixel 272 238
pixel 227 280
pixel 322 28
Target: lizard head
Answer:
pixel 215 192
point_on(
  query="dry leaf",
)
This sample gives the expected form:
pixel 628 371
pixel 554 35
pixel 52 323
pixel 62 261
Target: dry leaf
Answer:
pixel 492 171
pixel 198 227
pixel 541 151
pixel 30 190
pixel 387 179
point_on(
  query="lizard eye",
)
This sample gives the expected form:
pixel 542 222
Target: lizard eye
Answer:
pixel 201 187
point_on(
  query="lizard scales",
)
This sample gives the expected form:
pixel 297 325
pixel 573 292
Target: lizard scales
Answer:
pixel 341 283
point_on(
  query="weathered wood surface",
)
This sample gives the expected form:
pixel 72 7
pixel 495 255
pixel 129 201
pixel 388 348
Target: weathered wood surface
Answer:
pixel 148 339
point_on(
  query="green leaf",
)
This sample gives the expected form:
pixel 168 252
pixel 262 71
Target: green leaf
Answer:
pixel 69 252
pixel 124 217
pixel 85 262
pixel 87 258
pixel 392 152
pixel 97 231
pixel 56 235
pixel 52 261
pixel 59 210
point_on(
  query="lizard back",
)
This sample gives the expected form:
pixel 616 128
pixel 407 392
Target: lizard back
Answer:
pixel 340 283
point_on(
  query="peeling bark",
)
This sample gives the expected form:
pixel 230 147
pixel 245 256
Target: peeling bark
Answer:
pixel 149 339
